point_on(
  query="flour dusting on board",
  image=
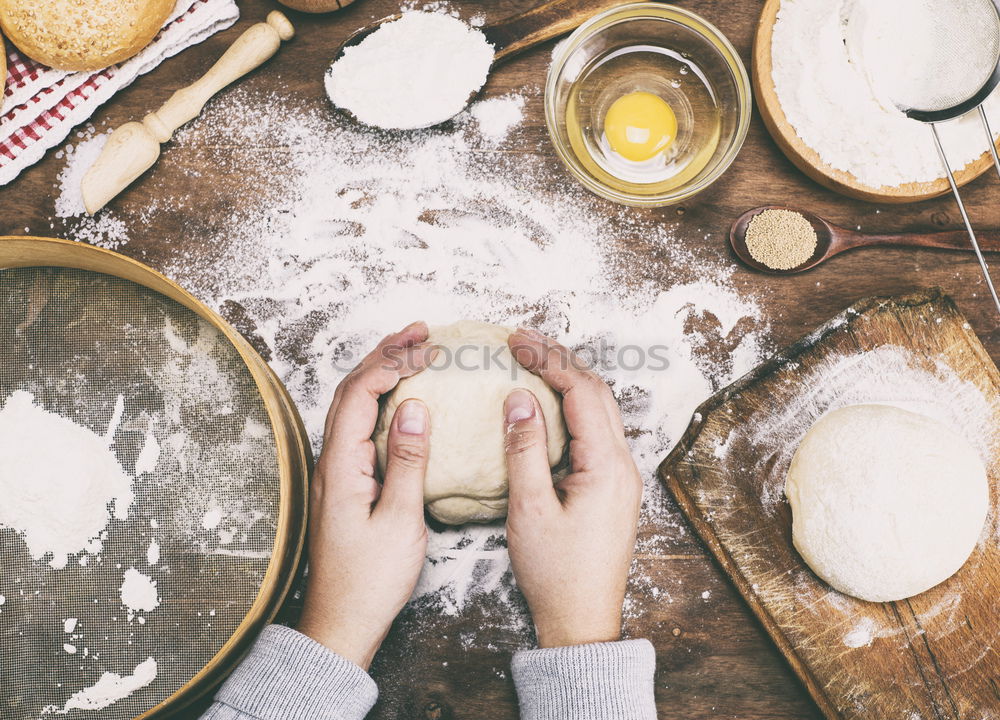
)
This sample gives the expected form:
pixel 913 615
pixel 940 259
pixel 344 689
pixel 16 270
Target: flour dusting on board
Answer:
pixel 887 375
pixel 362 232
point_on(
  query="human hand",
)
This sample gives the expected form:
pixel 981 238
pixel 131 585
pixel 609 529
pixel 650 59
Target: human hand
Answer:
pixel 571 544
pixel 367 541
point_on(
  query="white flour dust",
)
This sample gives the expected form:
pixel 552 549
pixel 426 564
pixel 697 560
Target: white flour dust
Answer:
pixel 61 484
pixel 887 375
pixel 862 635
pixel 363 232
pixel 109 689
pixel 824 53
pixel 412 72
pixel 138 592
pixel 149 455
pixel 153 553
pixel 105 228
pixel 211 519
pixel 496 117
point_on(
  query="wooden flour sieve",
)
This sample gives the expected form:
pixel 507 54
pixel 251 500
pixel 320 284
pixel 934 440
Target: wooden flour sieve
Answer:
pixel 187 624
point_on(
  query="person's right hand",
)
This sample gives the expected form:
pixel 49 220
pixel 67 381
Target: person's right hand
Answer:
pixel 571 544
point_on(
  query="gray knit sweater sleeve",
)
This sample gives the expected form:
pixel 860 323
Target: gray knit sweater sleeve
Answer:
pixel 288 676
pixel 603 681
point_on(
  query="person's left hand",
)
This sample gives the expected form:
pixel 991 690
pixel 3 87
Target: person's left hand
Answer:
pixel 367 542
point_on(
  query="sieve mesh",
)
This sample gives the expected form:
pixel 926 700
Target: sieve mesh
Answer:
pixel 942 53
pixel 77 341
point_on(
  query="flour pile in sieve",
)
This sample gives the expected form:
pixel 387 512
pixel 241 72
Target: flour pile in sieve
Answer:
pixel 362 232
pixel 60 482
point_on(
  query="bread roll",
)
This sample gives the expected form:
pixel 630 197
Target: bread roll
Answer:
pixel 82 34
pixel 3 69
pixel 315 6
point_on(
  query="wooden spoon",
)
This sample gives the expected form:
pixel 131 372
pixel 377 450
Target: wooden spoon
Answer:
pixel 515 34
pixel 833 240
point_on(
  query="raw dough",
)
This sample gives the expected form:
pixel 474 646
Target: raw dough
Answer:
pixel 885 503
pixel 464 391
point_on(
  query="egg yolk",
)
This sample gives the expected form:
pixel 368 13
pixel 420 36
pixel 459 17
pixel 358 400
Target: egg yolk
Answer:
pixel 639 126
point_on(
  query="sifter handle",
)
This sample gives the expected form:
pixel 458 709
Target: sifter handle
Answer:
pixel 965 216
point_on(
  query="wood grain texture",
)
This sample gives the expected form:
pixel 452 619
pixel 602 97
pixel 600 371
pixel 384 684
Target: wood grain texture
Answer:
pixel 550 20
pixel 809 161
pixel 714 662
pixel 931 656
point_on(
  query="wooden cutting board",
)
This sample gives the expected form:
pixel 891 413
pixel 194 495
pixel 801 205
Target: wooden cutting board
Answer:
pixel 932 657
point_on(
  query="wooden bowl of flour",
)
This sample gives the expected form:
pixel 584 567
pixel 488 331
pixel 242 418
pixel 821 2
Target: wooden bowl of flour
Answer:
pixel 808 160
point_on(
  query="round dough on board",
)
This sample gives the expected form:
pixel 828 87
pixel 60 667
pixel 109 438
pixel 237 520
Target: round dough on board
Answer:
pixel 464 391
pixel 885 503
pixel 82 34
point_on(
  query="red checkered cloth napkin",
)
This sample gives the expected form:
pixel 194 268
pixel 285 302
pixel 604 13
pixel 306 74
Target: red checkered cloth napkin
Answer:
pixel 41 105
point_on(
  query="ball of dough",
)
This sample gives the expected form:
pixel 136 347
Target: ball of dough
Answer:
pixel 464 390
pixel 82 34
pixel 885 503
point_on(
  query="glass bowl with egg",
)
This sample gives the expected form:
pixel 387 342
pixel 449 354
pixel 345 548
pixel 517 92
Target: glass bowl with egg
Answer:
pixel 647 104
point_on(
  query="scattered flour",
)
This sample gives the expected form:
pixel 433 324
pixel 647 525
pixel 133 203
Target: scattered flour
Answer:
pixel 497 116
pixel 109 689
pixel 79 159
pixel 828 94
pixel 888 375
pixel 413 72
pixel 138 592
pixel 104 229
pixel 60 482
pixel 153 553
pixel 363 232
pixel 211 519
pixel 150 453
pixel 116 420
pixel 462 563
pixel 69 625
pixel 862 635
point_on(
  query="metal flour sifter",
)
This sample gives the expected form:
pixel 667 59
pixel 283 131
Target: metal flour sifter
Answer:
pixel 942 61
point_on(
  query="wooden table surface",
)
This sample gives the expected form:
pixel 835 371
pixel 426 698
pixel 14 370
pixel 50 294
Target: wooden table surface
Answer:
pixel 714 660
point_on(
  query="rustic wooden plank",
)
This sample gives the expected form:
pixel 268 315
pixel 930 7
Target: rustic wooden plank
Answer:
pixel 930 656
pixel 719 664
